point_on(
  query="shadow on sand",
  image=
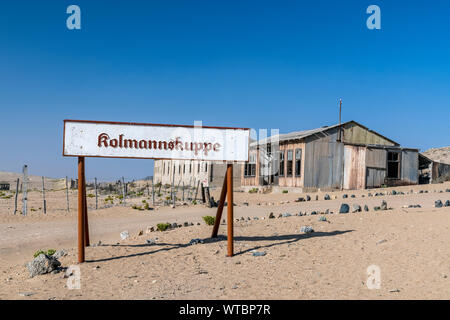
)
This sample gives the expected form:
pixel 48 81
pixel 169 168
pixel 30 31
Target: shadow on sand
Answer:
pixel 276 241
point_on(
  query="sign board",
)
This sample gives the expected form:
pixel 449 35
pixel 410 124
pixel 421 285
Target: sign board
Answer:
pixel 154 141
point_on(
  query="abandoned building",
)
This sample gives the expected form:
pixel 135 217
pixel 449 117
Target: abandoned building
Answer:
pixel 431 171
pixel 342 156
pixel 190 173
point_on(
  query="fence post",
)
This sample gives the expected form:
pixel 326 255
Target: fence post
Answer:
pixel 16 196
pixel 173 186
pixel 153 192
pixel 67 196
pixel 196 190
pixel 96 194
pixel 123 190
pixel 203 194
pixel 208 197
pixel 43 195
pixel 24 190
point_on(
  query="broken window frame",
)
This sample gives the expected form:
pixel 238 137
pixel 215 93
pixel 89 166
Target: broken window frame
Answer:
pixel 298 162
pixel 250 166
pixel 397 161
pixel 289 163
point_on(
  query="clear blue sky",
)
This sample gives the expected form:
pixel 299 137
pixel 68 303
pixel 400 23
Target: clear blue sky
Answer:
pixel 257 64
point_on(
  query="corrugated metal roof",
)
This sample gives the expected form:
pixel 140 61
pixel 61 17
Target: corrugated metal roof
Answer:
pixel 297 135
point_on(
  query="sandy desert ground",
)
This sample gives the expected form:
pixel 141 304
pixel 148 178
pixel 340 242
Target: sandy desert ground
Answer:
pixel 411 246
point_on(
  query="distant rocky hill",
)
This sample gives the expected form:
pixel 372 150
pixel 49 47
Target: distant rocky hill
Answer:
pixel 441 155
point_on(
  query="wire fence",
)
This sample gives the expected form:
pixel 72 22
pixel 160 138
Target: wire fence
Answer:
pixel 60 195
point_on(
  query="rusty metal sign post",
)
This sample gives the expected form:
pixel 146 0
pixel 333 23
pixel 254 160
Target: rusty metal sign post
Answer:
pixel 154 141
pixel 227 190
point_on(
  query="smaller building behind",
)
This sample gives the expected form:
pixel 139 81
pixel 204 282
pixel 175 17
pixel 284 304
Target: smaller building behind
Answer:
pixel 190 172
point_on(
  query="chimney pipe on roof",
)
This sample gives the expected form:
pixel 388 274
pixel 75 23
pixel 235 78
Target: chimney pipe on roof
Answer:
pixel 340 122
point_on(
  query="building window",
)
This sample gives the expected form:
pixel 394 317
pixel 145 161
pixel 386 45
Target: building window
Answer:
pixel 282 163
pixel 190 167
pixel 164 168
pixel 206 167
pixel 198 167
pixel 290 162
pixel 393 165
pixel 184 168
pixel 250 166
pixel 298 162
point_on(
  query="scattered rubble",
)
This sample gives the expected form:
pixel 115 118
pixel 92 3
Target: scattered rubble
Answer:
pixel 306 229
pixel 258 253
pixel 42 264
pixel 59 254
pixel 195 241
pixel 124 235
pixel 345 208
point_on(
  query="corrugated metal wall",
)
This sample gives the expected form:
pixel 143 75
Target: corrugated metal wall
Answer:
pixel 410 165
pixel 324 162
pixel 354 167
pixel 359 135
pixel 376 167
pixel 375 177
pixel 376 158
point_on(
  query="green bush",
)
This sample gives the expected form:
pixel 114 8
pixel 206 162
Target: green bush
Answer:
pixel 49 252
pixel 90 195
pixel 253 190
pixel 146 206
pixel 209 220
pixel 285 191
pixel 162 226
pixel 37 253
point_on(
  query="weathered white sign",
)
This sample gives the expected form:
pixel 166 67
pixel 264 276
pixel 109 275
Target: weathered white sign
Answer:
pixel 154 141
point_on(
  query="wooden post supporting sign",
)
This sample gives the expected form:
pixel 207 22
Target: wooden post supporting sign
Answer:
pixel 227 190
pixel 81 216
